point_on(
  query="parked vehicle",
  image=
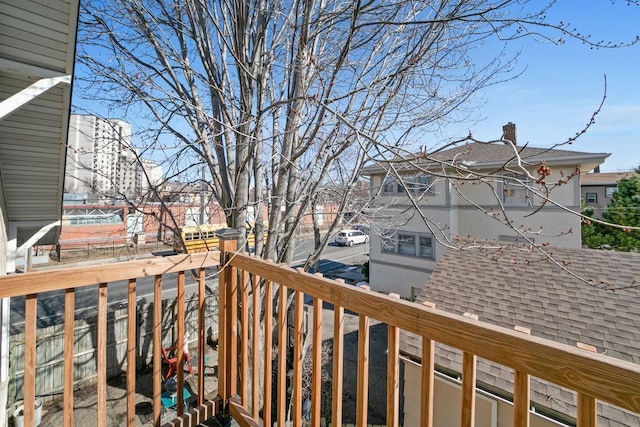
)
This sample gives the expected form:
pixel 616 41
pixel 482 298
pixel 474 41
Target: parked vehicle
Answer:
pixel 361 227
pixel 351 237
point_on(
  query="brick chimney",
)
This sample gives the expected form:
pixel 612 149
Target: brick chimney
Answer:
pixel 509 133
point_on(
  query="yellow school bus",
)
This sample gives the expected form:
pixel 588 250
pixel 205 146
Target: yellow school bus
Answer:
pixel 197 238
pixel 202 238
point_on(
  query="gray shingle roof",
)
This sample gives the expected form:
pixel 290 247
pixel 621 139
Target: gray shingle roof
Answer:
pixel 490 155
pixel 510 286
pixel 605 178
pixel 492 152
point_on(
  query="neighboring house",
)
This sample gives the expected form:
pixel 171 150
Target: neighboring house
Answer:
pixel 520 287
pixel 598 188
pixel 406 242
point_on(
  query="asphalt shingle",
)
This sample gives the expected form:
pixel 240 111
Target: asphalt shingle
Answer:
pixel 555 303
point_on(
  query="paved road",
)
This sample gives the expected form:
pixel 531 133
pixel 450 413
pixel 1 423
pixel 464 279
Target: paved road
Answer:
pixel 51 304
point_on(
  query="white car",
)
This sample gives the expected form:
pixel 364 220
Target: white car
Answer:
pixel 351 237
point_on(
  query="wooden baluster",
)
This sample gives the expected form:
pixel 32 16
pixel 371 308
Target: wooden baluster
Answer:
pixel 102 355
pixel 363 372
pixel 521 396
pixel 29 386
pixel 427 392
pixel 268 351
pixel 298 342
pixel 393 373
pixel 521 391
pixel 157 355
pixel 255 344
pixel 222 327
pixel 338 370
pixel 468 389
pixel 316 380
pixel 132 336
pixel 228 242
pixel 282 355
pixel 201 333
pixel 586 412
pixel 69 338
pixel 428 376
pixel 232 333
pixel 180 318
pixel 244 339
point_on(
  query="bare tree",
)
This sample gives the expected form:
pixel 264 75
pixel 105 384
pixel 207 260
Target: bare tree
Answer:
pixel 271 97
pixel 283 103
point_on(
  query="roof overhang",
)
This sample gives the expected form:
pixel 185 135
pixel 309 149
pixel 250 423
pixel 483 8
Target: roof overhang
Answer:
pixel 37 48
pixel 586 162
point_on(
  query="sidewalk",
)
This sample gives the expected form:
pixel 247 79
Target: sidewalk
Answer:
pixel 85 399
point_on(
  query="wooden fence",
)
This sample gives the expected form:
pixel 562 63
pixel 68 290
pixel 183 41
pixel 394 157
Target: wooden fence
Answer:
pixel 50 346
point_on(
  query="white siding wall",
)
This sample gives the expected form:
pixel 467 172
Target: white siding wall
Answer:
pixel 31 152
pixel 36 32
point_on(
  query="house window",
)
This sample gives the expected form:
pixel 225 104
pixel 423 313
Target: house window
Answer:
pixel 426 247
pixel 608 191
pixel 388 243
pixel 415 184
pixel 515 191
pixel 389 185
pixel 420 184
pixel 592 197
pixel 408 244
pixel 426 183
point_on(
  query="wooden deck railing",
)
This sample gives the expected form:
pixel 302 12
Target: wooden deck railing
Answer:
pixel 594 377
pixel 247 287
pixel 34 284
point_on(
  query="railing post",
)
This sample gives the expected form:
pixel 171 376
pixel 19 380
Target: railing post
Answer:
pixel 227 327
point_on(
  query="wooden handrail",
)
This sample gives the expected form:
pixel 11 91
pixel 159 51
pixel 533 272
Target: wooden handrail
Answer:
pixel 69 280
pixel 594 377
pixel 599 376
pixel 76 277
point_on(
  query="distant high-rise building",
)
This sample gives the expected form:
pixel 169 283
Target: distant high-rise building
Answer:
pixel 101 159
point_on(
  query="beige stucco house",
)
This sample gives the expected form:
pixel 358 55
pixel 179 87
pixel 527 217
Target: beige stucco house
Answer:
pixel 474 190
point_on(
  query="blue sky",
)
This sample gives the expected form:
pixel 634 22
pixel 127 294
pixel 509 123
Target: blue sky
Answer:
pixel 562 85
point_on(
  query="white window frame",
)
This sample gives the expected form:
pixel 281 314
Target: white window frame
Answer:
pixel 406 244
pixel 389 185
pixel 430 246
pixel 511 188
pixel 419 185
pixel 397 243
pixel 589 199
pixel 609 191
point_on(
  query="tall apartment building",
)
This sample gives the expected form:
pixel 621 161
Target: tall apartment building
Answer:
pixel 101 159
